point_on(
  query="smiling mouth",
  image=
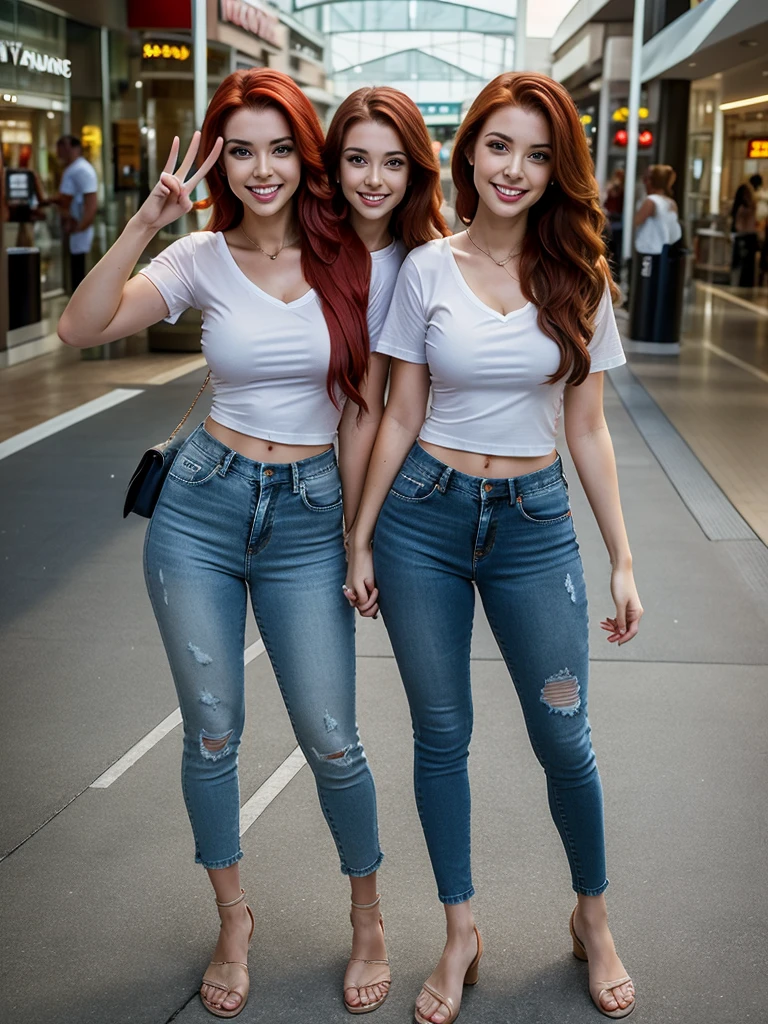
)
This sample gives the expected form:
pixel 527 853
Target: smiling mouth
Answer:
pixel 263 192
pixel 509 193
pixel 373 198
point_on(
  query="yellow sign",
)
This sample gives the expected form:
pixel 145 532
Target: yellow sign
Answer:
pixel 586 119
pixel 757 149
pixel 166 51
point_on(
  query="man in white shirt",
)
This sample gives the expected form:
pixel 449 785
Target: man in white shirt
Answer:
pixel 78 202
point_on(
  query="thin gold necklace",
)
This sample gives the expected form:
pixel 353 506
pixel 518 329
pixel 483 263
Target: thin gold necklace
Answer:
pixel 499 263
pixel 253 241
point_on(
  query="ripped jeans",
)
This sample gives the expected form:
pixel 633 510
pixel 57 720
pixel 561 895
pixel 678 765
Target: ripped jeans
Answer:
pixel 224 526
pixel 440 534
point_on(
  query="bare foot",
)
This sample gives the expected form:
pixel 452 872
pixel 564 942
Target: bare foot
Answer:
pixel 366 983
pixel 604 963
pixel 233 946
pixel 448 978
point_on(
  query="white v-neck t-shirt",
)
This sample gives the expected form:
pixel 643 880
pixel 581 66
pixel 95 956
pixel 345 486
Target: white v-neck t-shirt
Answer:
pixel 268 358
pixel 489 371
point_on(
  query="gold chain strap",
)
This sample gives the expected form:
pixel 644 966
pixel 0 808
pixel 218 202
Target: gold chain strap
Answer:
pixel 189 410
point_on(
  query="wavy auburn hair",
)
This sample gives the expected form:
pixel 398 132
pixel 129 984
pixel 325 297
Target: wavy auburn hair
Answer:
pixel 333 259
pixel 417 219
pixel 563 269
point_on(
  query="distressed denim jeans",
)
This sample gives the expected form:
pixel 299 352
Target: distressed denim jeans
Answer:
pixel 440 534
pixel 225 526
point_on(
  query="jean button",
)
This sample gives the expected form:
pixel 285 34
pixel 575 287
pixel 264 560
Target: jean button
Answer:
pixel 487 488
pixel 269 472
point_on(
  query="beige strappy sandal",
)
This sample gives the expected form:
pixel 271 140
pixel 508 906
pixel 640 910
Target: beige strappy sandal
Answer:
pixel 605 986
pixel 226 979
pixel 470 978
pixel 368 1007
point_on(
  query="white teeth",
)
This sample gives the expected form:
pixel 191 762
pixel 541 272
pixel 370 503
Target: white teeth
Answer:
pixel 267 191
pixel 371 198
pixel 509 191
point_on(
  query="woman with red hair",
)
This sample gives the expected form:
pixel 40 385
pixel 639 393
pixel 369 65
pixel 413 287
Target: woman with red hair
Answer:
pixel 254 500
pixel 509 323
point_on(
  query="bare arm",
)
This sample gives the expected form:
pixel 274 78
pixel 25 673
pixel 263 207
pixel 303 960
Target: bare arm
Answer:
pixel 589 443
pixel 109 304
pixel 648 209
pixel 357 436
pixel 403 419
pixel 90 206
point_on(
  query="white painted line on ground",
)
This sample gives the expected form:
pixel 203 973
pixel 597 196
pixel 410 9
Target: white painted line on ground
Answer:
pixel 761 374
pixel 712 289
pixel 137 750
pixel 66 419
pixel 273 787
pixel 196 363
pixel 254 651
pixel 153 737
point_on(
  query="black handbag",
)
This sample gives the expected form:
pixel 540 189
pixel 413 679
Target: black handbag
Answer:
pixel 149 476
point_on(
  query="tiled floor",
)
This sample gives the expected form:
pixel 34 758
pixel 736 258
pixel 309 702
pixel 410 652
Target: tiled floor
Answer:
pixel 720 406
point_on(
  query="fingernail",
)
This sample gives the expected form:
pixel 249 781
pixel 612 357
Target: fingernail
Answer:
pixel 344 587
pixel 376 615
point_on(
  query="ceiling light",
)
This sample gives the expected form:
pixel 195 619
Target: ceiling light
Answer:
pixel 744 103
pixel 692 64
pixel 748 42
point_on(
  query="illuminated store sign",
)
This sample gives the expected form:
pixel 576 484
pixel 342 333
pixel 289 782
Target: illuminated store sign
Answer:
pixel 165 50
pixel 254 19
pixel 12 52
pixel 757 149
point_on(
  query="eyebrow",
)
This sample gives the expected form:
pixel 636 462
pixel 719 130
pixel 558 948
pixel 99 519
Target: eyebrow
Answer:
pixel 274 142
pixel 508 138
pixel 357 149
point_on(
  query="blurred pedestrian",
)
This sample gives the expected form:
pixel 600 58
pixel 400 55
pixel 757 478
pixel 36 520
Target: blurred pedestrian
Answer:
pixel 761 213
pixel 614 211
pixel 24 198
pixel 78 202
pixel 745 239
pixel 656 218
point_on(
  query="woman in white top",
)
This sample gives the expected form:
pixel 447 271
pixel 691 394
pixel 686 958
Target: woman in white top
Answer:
pixel 254 500
pixel 510 323
pixel 656 219
pixel 387 184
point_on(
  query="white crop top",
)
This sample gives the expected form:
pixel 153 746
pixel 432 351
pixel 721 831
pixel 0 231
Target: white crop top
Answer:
pixel 489 371
pixel 268 358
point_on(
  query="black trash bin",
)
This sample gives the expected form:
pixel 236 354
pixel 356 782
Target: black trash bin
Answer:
pixel 656 295
pixel 24 301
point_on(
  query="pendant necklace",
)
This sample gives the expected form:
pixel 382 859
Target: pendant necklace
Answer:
pixel 254 242
pixel 499 263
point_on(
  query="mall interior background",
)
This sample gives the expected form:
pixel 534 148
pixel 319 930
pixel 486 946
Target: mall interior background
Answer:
pixel 119 74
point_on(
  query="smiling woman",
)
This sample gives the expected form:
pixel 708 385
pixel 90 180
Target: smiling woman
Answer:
pixel 255 499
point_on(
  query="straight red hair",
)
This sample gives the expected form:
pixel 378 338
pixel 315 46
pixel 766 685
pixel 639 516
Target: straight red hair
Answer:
pixel 417 219
pixel 563 269
pixel 333 259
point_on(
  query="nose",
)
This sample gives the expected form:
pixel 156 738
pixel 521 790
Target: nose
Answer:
pixel 373 177
pixel 514 168
pixel 263 166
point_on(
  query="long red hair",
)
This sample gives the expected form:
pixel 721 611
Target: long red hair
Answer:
pixel 563 269
pixel 417 219
pixel 333 259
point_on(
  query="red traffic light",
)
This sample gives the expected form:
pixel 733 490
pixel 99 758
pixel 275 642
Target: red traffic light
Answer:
pixel 621 137
pixel 645 139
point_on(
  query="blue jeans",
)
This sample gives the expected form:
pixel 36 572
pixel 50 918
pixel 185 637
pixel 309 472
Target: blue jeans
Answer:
pixel 225 525
pixel 441 533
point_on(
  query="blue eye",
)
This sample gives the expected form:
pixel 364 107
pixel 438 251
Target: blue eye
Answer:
pixel 239 151
pixel 283 150
pixel 544 157
pixel 396 163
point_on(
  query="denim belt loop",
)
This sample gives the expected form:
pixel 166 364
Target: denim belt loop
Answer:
pixel 226 462
pixel 512 490
pixel 445 476
pixel 295 478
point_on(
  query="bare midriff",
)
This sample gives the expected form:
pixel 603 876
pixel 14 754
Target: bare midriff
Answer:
pixel 260 450
pixel 491 467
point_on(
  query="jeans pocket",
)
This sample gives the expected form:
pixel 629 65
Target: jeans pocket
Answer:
pixel 409 487
pixel 192 466
pixel 322 493
pixel 545 507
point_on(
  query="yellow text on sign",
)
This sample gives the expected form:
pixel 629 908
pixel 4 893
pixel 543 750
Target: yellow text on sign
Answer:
pixel 165 50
